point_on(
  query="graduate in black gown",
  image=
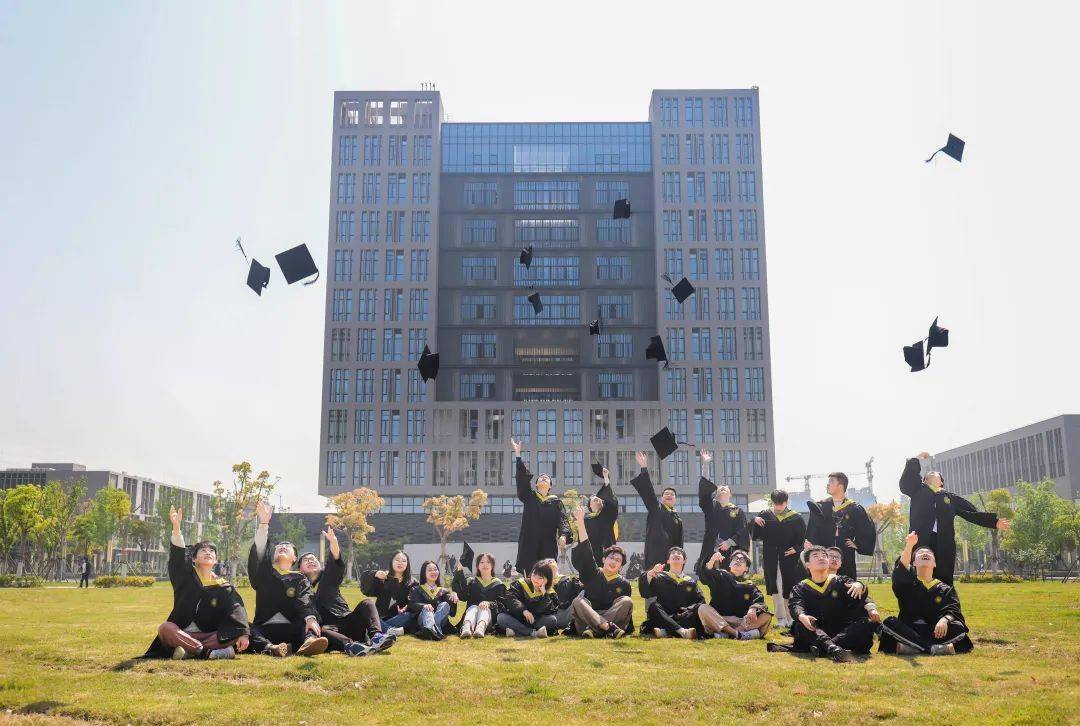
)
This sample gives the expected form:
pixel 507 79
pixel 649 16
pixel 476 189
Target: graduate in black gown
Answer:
pixel 544 527
pixel 286 619
pixel 736 607
pixel 930 620
pixel 483 593
pixel 356 631
pixel 663 527
pixel 726 525
pixel 933 510
pixel 605 608
pixel 830 613
pixel 841 522
pixel 431 603
pixel 208 619
pixel 674 599
pixel 781 531
pixel 390 588
pixel 567 587
pixel 601 521
pixel 530 605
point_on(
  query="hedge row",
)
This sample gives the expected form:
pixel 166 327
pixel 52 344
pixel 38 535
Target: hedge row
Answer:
pixel 990 577
pixel 21 581
pixel 118 581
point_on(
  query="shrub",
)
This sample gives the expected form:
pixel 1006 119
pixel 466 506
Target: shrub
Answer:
pixel 990 577
pixel 117 581
pixel 24 581
pixel 239 581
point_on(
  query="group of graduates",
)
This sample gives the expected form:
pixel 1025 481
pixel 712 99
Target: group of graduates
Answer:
pixel 809 571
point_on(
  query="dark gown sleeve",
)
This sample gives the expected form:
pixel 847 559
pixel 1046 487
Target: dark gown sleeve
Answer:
pixel 741 535
pixel 513 602
pixel 910 481
pixel 645 588
pixel 523 481
pixel 234 621
pixel 757 531
pixel 706 490
pixel 642 483
pixel 179 568
pixel 902 579
pixel 460 583
pixel 334 573
pixel 950 605
pixel 371 585
pixel 865 534
pixel 610 512
pixel 798 533
pixel 967 511
pixel 415 604
pixel 795 603
pixel 814 529
pixel 305 601
pixel 256 565
pixel 582 559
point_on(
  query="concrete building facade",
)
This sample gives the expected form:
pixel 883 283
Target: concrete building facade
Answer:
pixel 427 220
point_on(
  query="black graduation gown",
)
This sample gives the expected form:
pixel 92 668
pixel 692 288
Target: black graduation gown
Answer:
pixel 329 602
pixel 214 608
pixel 521 596
pixel 601 526
pixel 840 617
pixel 721 523
pixel 391 595
pixel 922 604
pixel 730 595
pixel 543 521
pixel 419 596
pixel 288 593
pixel 472 591
pixel 777 536
pixel 600 591
pixel 679 597
pixel 833 528
pixel 663 527
pixel 942 507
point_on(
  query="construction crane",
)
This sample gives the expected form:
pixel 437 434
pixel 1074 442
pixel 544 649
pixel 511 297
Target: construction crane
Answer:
pixel 868 473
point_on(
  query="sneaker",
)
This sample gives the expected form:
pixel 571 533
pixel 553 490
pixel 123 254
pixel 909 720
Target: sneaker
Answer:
pixel 588 633
pixel 313 646
pixel 382 641
pixel 279 650
pixel 751 634
pixel 948 649
pixel 540 632
pixel 479 633
pixel 179 653
pixel 616 632
pixel 688 633
pixel 902 649
pixel 428 634
pixel 659 632
pixel 227 653
pixel 466 632
pixel 840 655
pixel 357 649
pixel 509 633
pixel 396 632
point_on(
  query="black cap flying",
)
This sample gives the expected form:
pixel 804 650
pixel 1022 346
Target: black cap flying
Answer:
pixel 954 147
pixel 538 306
pixel 655 350
pixel 913 355
pixel 526 256
pixel 622 209
pixel 938 337
pixel 466 556
pixel 594 327
pixel 598 469
pixel 682 290
pixel 664 443
pixel 296 264
pixel 814 508
pixel 258 277
pixel 428 365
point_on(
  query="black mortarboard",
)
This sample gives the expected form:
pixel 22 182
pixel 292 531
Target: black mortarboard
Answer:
pixel 428 365
pixel 594 327
pixel 258 277
pixel 598 469
pixel 622 209
pixel 296 264
pixel 526 256
pixel 466 555
pixel 535 300
pixel 938 337
pixel 682 290
pixel 913 354
pixel 664 443
pixel 954 147
pixel 655 350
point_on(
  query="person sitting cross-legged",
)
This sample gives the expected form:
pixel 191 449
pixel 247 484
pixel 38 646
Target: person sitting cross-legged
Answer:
pixel 530 605
pixel 431 603
pixel 604 607
pixel 675 599
pixel 736 606
pixel 930 620
pixel 391 588
pixel 567 588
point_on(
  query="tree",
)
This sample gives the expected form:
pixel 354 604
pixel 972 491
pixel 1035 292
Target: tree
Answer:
pixel 378 552
pixel 998 501
pixel 21 517
pixel 109 510
pixel 1068 525
pixel 59 508
pixel 145 533
pixel 888 520
pixel 293 529
pixel 452 514
pixel 230 506
pixel 351 510
pixel 973 536
pixel 1037 508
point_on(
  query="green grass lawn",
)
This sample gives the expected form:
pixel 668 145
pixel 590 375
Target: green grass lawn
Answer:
pixel 64 654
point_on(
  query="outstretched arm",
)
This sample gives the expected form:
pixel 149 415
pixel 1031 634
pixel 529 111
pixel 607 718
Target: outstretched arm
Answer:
pixel 910 479
pixel 643 485
pixel 522 477
pixel 967 511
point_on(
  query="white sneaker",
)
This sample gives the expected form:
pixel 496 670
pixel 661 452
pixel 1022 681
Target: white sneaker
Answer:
pixel 540 632
pixel 179 653
pixel 396 632
pixel 659 632
pixel 466 632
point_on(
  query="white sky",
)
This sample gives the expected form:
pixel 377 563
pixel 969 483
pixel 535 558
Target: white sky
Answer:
pixel 139 139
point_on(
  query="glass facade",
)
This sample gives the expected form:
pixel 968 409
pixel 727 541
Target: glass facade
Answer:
pixel 497 148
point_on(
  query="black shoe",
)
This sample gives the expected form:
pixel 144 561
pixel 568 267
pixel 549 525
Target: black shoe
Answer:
pixel 814 652
pixel 839 655
pixel 428 634
pixel 777 648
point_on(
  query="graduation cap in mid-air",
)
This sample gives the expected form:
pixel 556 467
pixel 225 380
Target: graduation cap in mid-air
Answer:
pixel 655 350
pixel 594 327
pixel 526 256
pixel 428 365
pixel 913 356
pixel 622 209
pixel 665 444
pixel 466 556
pixel 258 277
pixel 681 289
pixel 534 299
pixel 598 469
pixel 937 337
pixel 954 147
pixel 296 264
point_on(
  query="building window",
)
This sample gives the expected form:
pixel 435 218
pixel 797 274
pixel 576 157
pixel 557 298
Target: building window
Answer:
pixel 418 265
pixel 348 150
pixel 393 305
pixel 369 227
pixel 618 386
pixel 624 424
pixel 699 264
pixel 676 347
pixel 373 113
pixel 395 227
pixel 599 423
pixel 392 344
pixel 698 227
pixel 756 430
pixel 468 468
pixel 399 149
pixel 726 302
pixel 549 272
pixel 726 345
pixel 703 425
pixel 365 308
pixel 751 269
pixel 395 189
pixel 606 192
pixel 722 226
pixel 572 426
pixel 339 384
pixel 703 384
pixel 477 345
pixel 695 148
pixel 391 385
pixel 672 225
pixel 613 269
pixel 417 387
pixel 547 194
pixel 729 425
pixel 421 188
pixel 746 182
pixel 398 111
pixel 364 427
pixel 493 471
pixel 335 468
pixel 370 188
pixel 673 263
pixel 671 187
pixel 421 227
pixel 372 150
pixel 389 465
pixel 521 425
pixel 547 232
pixel 695 116
pixel 614 345
pixel 701 343
pixel 478 269
pixel 753 343
pixel 731 465
pixel 669 149
pixel 342 265
pixel 546 426
pixel 365 385
pixel 729 384
pixel 748 225
pixel 493 424
pixel 613 230
pixel 340 343
pixel 417 342
pixel 346 188
pixel 350 113
pixel 365 344
pixel 478 307
pixel 390 426
pixel 755 384
pixel 744 148
pixel 423 114
pixel 481 194
pixel 478 231
pixel 718 144
pixel 758 464
pixel 422 150
pixel 342 305
pixel 751 303
pixel 558 310
pixel 676 384
pixel 615 307
pixel 669 111
pixel 414 469
pixel 744 111
pixel 573 468
pixel 721 187
pixel 477 385
pixel 695 187
pixel 718 111
pixel 346 227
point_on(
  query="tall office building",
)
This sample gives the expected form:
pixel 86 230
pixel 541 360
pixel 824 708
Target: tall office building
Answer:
pixel 427 219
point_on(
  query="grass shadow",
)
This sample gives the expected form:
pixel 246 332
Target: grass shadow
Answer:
pixel 39 707
pixel 124 665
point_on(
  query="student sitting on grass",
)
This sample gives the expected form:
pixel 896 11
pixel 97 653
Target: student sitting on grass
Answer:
pixel 567 587
pixel 930 620
pixel 483 594
pixel 285 616
pixel 390 588
pixel 604 608
pixel 677 597
pixel 431 603
pixel 208 619
pixel 355 632
pixel 530 605
pixel 736 606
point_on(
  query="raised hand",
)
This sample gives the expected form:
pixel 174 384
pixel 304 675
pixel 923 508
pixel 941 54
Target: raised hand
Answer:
pixel 642 459
pixel 706 456
pixel 606 474
pixel 332 540
pixel 579 513
pixel 262 513
pixel 923 455
pixel 516 446
pixel 176 516
pixel 1004 524
pixel 911 539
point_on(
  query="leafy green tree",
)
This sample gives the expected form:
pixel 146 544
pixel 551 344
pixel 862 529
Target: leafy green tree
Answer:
pixel 21 518
pixel 1068 525
pixel 145 533
pixel 59 508
pixel 293 529
pixel 109 512
pixel 1038 506
pixel 1000 502
pixel 231 507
